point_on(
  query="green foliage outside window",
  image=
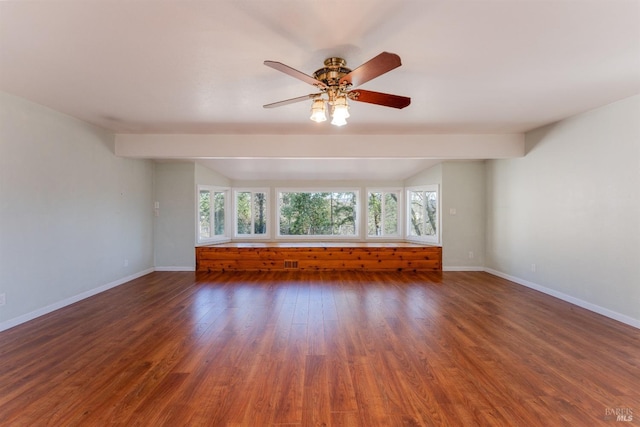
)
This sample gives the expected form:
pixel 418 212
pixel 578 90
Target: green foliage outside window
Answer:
pixel 243 212
pixel 218 213
pixel 205 214
pixel 210 214
pixel 251 212
pixel 317 213
pixel 382 214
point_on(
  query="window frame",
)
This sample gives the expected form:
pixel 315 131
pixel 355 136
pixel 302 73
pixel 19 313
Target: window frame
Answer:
pixel 253 191
pixel 400 203
pixel 433 239
pixel 219 238
pixel 357 213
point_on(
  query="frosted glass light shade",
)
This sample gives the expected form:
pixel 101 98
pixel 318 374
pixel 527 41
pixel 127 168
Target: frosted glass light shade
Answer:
pixel 340 107
pixel 318 113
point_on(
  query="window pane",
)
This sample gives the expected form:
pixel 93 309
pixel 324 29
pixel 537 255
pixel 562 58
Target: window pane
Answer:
pixel 317 213
pixel 416 228
pixel 343 214
pixel 218 213
pixel 243 210
pixel 431 217
pixel 374 222
pixel 390 213
pixel 422 215
pixel 260 213
pixel 205 214
pixel 305 214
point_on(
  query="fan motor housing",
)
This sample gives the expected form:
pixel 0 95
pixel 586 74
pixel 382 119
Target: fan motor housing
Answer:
pixel 333 71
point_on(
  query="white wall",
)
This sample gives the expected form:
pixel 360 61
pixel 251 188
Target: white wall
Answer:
pixel 571 206
pixel 206 176
pixel 463 232
pixel 72 214
pixel 175 225
pixel 433 175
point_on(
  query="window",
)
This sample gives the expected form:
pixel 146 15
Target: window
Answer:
pixel 383 219
pixel 317 213
pixel 422 214
pixel 251 213
pixel 212 205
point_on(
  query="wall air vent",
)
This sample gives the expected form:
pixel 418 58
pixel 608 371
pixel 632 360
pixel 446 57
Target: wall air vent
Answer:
pixel 290 263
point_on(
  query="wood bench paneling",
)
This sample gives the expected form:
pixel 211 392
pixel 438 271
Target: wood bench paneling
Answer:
pixel 319 256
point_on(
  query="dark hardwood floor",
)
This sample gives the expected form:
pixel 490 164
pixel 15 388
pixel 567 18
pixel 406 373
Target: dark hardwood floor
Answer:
pixel 316 349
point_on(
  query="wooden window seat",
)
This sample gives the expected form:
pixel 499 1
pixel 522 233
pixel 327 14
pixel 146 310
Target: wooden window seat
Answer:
pixel 319 256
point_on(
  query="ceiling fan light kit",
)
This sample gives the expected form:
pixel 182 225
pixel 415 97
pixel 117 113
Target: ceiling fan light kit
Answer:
pixel 335 80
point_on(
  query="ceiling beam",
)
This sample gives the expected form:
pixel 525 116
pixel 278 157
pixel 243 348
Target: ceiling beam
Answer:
pixel 437 146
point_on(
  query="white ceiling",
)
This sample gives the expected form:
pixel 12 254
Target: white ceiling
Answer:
pixel 475 66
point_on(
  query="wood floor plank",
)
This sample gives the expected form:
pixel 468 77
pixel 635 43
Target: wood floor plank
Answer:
pixel 316 410
pixel 299 348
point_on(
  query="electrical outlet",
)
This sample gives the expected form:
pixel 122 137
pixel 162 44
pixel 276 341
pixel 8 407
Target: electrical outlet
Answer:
pixel 533 268
pixel 470 254
pixel 3 299
pixel 126 263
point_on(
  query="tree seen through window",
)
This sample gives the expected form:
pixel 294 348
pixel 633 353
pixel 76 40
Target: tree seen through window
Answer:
pixel 317 213
pixel 251 212
pixel 423 215
pixel 382 214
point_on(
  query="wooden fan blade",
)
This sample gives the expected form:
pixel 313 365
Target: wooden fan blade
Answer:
pixel 373 68
pixel 294 73
pixel 290 101
pixel 385 99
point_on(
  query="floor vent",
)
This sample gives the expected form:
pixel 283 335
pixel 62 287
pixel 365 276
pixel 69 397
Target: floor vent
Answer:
pixel 289 263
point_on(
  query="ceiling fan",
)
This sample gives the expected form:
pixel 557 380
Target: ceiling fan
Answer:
pixel 336 84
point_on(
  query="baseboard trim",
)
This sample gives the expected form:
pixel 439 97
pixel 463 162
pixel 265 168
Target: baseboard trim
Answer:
pixel 175 268
pixel 68 301
pixel 462 268
pixel 568 298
